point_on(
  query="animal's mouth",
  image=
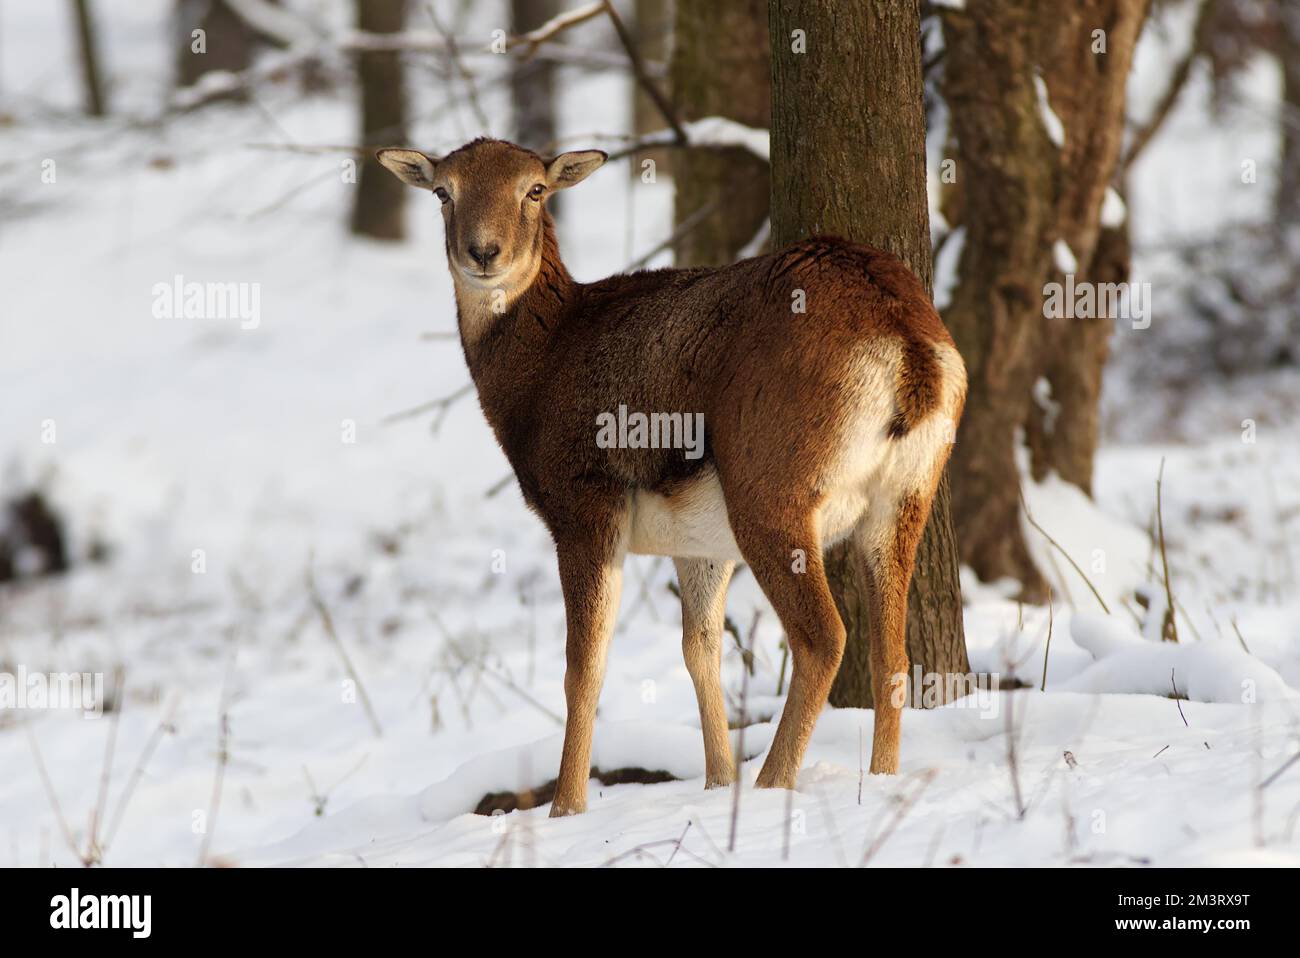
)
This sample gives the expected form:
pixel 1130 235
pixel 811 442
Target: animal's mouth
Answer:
pixel 479 275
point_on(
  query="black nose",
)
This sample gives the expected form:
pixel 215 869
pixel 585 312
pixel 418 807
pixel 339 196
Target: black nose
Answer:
pixel 484 255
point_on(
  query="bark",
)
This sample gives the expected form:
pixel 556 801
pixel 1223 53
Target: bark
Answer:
pixel 732 79
pixel 87 44
pixel 1020 194
pixel 378 210
pixel 848 158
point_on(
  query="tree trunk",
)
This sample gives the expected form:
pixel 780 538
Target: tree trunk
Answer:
pixel 380 200
pixel 653 29
pixel 732 80
pixel 532 85
pixel 1030 375
pixel 226 43
pixel 1087 92
pixel 848 158
pixel 532 88
pixel 1286 204
pixel 87 43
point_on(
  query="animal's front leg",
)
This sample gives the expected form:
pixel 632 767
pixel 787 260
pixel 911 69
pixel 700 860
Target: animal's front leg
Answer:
pixel 591 575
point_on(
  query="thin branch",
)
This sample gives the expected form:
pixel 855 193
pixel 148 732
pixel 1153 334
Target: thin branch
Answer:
pixel 1201 35
pixel 554 26
pixel 440 406
pixel 458 66
pixel 675 237
pixel 642 76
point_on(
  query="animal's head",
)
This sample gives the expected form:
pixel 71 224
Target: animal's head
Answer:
pixel 492 195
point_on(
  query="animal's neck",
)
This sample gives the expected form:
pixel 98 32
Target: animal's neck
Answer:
pixel 504 330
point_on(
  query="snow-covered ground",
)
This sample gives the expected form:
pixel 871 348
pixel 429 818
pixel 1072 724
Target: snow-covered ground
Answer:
pixel 222 465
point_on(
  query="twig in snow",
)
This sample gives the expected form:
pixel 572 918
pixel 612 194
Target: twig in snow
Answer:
pixel 740 743
pixel 1056 545
pixel 218 781
pixel 1164 558
pixel 1278 774
pixel 94 851
pixel 904 806
pixel 677 847
pixel 1048 649
pixel 1013 761
pixel 327 622
pixel 54 799
pixel 164 726
pixel 1240 639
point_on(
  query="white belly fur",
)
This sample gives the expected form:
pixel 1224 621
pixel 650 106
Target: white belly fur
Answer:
pixel 690 524
pixel 693 523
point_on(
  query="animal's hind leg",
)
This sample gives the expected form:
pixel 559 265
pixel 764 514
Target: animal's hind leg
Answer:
pixel 886 539
pixel 785 556
pixel 703 584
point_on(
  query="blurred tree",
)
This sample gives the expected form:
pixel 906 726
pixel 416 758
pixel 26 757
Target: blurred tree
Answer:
pixel 731 77
pixel 1033 165
pixel 211 36
pixel 848 147
pixel 654 30
pixel 87 44
pixel 532 84
pixel 378 209
pixel 1286 203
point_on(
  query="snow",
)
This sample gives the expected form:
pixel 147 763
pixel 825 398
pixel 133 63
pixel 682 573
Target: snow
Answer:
pixel 176 435
pixel 1204 672
pixel 1113 209
pixel 1051 122
pixel 717 131
pixel 1064 257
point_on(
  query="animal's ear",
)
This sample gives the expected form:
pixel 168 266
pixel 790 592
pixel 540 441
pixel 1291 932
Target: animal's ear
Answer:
pixel 410 166
pixel 570 169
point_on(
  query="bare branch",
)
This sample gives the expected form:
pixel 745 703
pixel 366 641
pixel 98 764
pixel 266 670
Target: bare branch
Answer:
pixel 642 77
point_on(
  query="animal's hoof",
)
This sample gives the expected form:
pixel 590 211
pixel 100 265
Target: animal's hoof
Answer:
pixel 563 811
pixel 774 781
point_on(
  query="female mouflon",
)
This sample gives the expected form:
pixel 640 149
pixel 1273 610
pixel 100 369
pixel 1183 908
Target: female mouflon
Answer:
pixel 823 424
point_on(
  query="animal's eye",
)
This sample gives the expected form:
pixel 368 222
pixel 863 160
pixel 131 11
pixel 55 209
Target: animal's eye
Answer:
pixel 536 192
pixel 442 194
